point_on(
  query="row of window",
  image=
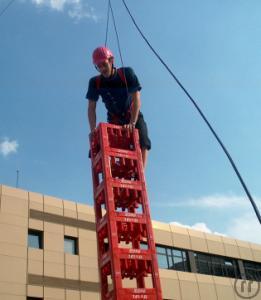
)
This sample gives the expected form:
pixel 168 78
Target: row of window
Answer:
pixel 35 240
pixel 177 259
pixel 253 270
pixel 217 265
pixel 173 259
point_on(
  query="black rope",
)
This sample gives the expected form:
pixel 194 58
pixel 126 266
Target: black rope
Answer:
pixel 107 25
pixel 201 114
pixel 119 46
pixel 6 7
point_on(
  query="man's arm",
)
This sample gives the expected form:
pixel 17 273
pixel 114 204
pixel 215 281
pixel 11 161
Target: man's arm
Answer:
pixel 92 114
pixel 135 109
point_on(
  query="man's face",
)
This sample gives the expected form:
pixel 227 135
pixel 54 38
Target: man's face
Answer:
pixel 105 68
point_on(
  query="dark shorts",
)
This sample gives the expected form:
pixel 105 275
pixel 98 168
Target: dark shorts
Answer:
pixel 141 125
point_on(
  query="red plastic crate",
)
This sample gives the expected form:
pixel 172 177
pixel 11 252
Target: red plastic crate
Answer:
pixel 125 243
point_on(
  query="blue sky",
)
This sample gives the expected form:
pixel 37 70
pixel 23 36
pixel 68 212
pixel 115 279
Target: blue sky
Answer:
pixel 214 49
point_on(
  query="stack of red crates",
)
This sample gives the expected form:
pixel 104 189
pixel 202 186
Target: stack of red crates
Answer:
pixel 126 250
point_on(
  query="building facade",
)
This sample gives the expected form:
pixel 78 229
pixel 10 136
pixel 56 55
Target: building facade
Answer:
pixel 48 251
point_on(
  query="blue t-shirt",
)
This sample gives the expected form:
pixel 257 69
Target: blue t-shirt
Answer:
pixel 114 92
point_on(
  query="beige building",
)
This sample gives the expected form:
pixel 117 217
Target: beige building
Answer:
pixel 48 251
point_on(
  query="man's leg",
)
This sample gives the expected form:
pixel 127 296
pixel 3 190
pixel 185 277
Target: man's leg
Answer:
pixel 145 143
pixel 144 153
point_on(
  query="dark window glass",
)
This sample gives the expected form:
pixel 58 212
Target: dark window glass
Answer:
pixel 228 263
pixel 169 251
pixel 162 261
pixel 144 246
pixel 252 270
pixel 170 258
pixel 217 270
pixel 178 263
pixel 161 250
pixel 71 245
pixel 186 261
pixel 177 253
pixel 35 239
pixel 170 262
pixel 203 267
pixel 216 265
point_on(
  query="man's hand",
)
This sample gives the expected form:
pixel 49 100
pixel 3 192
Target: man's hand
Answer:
pixel 130 126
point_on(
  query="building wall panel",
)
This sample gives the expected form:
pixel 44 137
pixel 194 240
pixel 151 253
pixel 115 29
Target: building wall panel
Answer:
pixel 13 269
pixel 54 275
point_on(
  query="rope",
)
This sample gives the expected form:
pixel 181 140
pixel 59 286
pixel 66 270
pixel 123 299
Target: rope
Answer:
pixel 119 46
pixel 201 114
pixel 107 25
pixel 6 7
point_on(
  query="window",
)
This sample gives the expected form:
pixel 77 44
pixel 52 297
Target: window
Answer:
pixel 180 260
pixel 172 258
pixel 144 246
pixel 71 245
pixel 216 265
pixel 34 298
pixel 253 270
pixel 35 239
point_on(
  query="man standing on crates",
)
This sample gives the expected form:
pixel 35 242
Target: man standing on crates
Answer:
pixel 120 92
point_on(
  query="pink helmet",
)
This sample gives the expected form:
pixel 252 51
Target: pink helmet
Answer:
pixel 100 54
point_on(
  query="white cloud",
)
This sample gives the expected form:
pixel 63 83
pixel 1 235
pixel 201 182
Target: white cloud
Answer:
pixel 76 9
pixel 215 201
pixel 200 226
pixel 78 12
pixel 246 228
pixel 7 147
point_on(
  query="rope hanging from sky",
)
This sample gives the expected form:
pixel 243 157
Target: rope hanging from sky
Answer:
pixel 195 105
pixel 6 7
pixel 118 41
pixel 107 25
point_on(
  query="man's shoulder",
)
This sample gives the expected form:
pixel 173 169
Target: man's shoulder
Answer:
pixel 95 82
pixel 126 69
pixel 94 78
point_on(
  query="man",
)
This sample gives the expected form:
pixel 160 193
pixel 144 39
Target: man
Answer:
pixel 120 92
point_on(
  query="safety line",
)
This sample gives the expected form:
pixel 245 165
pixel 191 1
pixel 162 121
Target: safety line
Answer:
pixel 107 25
pixel 6 7
pixel 201 114
pixel 119 46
